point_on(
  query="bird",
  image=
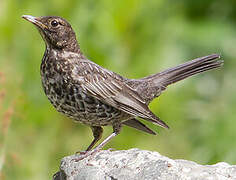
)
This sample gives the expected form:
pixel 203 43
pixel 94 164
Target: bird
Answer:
pixel 92 95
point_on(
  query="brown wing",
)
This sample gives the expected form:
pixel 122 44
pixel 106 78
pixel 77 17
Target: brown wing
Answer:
pixel 109 87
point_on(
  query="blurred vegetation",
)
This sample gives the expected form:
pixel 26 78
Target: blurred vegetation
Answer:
pixel 135 39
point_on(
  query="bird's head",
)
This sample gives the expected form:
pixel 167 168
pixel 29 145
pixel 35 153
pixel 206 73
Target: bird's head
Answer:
pixel 56 32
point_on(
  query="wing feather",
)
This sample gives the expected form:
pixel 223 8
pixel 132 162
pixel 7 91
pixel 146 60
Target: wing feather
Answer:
pixel 110 88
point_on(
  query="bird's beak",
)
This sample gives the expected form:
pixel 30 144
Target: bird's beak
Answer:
pixel 35 21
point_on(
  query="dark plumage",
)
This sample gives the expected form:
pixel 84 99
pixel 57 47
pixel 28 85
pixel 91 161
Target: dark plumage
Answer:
pixel 92 95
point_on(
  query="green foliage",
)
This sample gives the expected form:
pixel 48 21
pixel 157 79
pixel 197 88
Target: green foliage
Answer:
pixel 135 39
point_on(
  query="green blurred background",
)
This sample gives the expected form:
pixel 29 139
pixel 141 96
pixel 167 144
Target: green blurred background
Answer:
pixel 135 39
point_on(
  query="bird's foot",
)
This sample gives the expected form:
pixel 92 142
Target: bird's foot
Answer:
pixel 80 152
pixel 81 156
pixel 84 154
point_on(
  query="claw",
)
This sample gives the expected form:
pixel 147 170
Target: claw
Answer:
pixel 80 152
pixel 83 154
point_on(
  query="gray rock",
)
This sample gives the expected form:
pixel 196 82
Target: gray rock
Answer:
pixel 135 164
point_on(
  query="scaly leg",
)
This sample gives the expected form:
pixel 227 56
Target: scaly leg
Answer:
pixel 116 131
pixel 97 134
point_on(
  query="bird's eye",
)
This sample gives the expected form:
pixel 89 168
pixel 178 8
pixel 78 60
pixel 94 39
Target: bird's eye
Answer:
pixel 54 23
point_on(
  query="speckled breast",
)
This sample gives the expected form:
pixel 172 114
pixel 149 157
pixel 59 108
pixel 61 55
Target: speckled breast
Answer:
pixel 68 98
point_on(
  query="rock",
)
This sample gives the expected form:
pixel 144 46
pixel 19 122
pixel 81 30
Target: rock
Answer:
pixel 135 164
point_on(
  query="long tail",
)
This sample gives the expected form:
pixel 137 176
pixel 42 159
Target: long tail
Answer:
pixel 185 70
pixel 152 86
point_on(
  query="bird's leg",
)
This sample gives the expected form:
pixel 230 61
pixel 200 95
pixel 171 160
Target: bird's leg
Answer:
pixel 97 134
pixel 116 131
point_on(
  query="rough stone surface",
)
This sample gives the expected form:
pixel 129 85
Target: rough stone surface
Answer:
pixel 135 164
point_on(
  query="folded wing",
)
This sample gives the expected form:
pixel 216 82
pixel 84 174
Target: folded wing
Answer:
pixel 109 88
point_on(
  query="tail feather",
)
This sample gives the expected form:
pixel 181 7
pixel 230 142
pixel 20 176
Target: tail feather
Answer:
pixel 185 70
pixel 151 87
pixel 190 72
pixel 134 123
